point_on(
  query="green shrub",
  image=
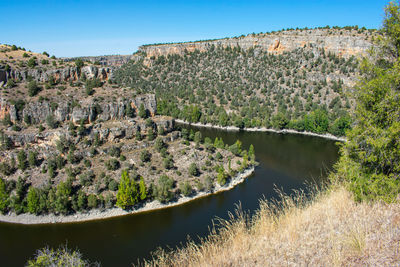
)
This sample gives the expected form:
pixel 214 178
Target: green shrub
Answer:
pixel 32 62
pixel 163 189
pixel 193 169
pixel 186 188
pixel 79 63
pixel 33 88
pixel 145 156
pixel 112 164
pixel 60 257
pixel 370 159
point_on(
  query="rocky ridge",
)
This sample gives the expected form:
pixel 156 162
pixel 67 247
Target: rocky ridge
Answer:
pixel 111 60
pixel 69 73
pixel 86 111
pixel 343 43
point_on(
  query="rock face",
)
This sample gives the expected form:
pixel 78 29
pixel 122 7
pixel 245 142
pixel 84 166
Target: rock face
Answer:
pixel 7 109
pixel 37 112
pixel 112 60
pixel 59 75
pixel 345 44
pixel 118 130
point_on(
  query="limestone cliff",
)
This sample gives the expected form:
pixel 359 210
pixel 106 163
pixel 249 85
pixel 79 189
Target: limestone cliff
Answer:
pixel 69 73
pixel 110 61
pixel 340 42
pixel 87 110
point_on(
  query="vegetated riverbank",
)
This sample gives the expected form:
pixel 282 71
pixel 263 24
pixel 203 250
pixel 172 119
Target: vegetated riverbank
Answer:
pixel 263 129
pixel 115 212
pixel 331 229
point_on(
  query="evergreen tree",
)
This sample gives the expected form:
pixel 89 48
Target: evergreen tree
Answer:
pixel 92 201
pixel 127 194
pixel 221 177
pixel 33 200
pixel 62 198
pixel 163 190
pixel 193 170
pixel 142 189
pixel 142 111
pixel 32 159
pixel 252 154
pixel 370 159
pixel 82 200
pixel 21 157
pixel 3 197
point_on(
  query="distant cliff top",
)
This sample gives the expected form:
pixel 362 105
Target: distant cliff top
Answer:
pixel 109 60
pixel 345 42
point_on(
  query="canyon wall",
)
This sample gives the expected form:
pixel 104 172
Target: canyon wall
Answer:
pixel 342 43
pixel 112 60
pixel 86 111
pixel 69 73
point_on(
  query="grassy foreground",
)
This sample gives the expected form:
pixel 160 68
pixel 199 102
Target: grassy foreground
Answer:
pixel 331 229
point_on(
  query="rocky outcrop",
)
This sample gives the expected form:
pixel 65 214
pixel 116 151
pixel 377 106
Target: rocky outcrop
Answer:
pixel 7 109
pixel 69 73
pixel 89 111
pixel 111 60
pixel 342 43
pixel 106 133
pixel 37 112
pixel 149 102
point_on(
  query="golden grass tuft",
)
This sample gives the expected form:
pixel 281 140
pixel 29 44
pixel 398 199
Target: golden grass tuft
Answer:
pixel 328 230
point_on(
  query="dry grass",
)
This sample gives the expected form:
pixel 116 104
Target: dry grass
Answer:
pixel 330 230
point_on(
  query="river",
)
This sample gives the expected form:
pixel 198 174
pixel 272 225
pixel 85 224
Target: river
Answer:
pixel 286 161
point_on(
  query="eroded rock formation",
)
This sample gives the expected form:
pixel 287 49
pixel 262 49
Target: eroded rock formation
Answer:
pixel 86 111
pixel 343 43
pixel 69 73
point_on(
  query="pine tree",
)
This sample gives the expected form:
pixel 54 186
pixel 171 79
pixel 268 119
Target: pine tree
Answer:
pixel 32 159
pixel 142 189
pixel 127 195
pixel 370 159
pixel 252 154
pixel 3 197
pixel 62 198
pixel 221 177
pixel 33 200
pixel 22 164
pixel 142 111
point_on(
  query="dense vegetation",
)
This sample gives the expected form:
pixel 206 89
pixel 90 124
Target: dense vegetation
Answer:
pixel 70 182
pixel 370 160
pixel 303 89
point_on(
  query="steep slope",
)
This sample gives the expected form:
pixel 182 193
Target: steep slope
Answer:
pixel 301 82
pixel 332 230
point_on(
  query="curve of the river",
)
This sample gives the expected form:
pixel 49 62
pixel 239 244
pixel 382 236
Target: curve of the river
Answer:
pixel 286 161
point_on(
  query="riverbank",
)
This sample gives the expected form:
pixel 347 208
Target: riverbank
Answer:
pixel 27 218
pixel 262 129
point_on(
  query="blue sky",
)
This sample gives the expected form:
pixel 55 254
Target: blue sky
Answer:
pixel 78 28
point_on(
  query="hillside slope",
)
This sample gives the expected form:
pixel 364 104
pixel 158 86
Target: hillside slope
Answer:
pixel 245 83
pixel 332 230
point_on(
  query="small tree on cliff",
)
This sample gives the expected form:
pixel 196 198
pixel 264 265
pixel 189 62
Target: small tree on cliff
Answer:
pixel 142 112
